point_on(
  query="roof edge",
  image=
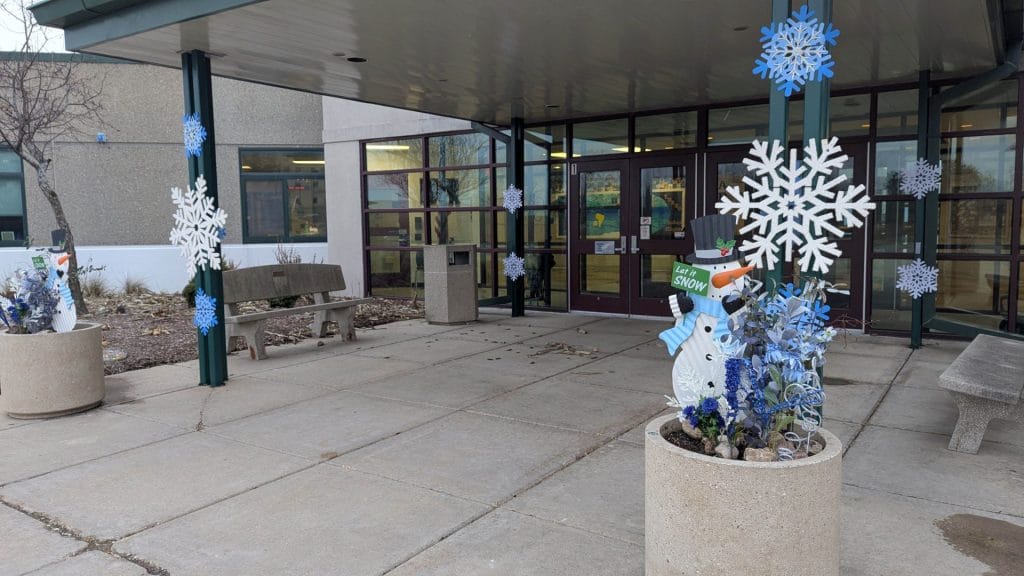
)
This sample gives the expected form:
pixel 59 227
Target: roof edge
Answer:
pixel 64 13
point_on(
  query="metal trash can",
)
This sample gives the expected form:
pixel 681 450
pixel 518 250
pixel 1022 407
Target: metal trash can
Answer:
pixel 449 282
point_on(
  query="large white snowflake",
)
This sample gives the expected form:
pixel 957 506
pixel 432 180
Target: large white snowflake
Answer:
pixel 514 266
pixel 920 178
pixel 198 226
pixel 795 206
pixel 917 278
pixel 795 52
pixel 513 199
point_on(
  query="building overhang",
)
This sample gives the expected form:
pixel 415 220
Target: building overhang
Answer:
pixel 540 60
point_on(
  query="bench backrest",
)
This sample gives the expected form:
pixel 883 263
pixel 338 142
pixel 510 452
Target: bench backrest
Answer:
pixel 280 280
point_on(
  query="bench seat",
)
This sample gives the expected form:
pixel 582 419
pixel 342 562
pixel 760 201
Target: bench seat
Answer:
pixel 285 281
pixel 987 382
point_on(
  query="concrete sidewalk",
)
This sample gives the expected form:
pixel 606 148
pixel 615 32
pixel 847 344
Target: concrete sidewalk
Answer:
pixel 511 446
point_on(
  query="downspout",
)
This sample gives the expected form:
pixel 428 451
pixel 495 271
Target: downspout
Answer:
pixel 930 241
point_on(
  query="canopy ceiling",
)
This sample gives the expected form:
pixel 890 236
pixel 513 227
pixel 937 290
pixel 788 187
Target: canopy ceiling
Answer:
pixel 491 60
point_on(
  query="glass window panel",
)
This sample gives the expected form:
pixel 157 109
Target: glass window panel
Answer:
pixel 894 227
pixel 264 208
pixel 890 159
pixel 12 230
pixel 839 274
pixel 282 161
pixel 544 229
pixel 599 205
pixel 599 274
pixel 850 115
pixel 656 275
pixel 395 228
pixel 9 162
pixel 897 113
pixel 992 108
pixel 461 188
pixel 543 185
pixel 1020 301
pixel 738 125
pixel 307 207
pixel 394 190
pixel 730 174
pixel 663 198
pixel 974 292
pixel 544 142
pixel 978 164
pixel 975 226
pixel 666 131
pixel 890 306
pixel 484 277
pixel 460 150
pixel 603 137
pixel 394 155
pixel 461 228
pixel 546 281
pixel 10 197
pixel 396 274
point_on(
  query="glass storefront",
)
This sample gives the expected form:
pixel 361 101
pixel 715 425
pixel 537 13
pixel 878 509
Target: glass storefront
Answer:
pixel 449 188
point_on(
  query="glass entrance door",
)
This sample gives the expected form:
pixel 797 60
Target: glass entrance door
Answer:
pixel 598 249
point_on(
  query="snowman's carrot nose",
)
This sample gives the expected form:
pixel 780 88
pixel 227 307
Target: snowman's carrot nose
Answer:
pixel 723 279
pixel 63 259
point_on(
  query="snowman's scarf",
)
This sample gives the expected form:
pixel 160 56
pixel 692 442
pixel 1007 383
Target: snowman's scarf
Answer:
pixel 675 336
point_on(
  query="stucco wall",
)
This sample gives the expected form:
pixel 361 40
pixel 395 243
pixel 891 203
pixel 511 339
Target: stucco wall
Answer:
pixel 346 123
pixel 118 193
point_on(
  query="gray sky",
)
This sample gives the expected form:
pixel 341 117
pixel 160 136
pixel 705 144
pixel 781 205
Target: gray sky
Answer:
pixel 11 35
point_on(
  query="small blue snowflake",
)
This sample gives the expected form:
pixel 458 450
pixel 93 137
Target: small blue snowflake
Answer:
pixel 194 134
pixel 206 312
pixel 222 232
pixel 795 52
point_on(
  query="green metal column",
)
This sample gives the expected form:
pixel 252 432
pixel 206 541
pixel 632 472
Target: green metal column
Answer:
pixel 195 71
pixel 778 121
pixel 816 94
pixel 920 220
pixel 514 227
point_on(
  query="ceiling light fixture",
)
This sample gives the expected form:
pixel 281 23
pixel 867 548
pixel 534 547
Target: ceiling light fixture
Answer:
pixel 356 59
pixel 314 162
pixel 552 106
pixel 387 147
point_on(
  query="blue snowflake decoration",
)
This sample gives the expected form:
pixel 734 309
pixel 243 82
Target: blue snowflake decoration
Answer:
pixel 194 134
pixel 206 312
pixel 795 52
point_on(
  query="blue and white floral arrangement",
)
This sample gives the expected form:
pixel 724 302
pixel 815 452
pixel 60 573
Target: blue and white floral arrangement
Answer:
pixel 771 406
pixel 28 303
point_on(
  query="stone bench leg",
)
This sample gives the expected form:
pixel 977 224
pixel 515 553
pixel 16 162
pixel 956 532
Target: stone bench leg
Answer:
pixel 253 334
pixel 320 321
pixel 975 414
pixel 345 318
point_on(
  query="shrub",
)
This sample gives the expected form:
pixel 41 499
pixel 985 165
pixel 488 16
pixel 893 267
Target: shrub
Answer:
pixel 134 286
pixel 94 287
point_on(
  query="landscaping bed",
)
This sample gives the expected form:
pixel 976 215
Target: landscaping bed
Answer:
pixel 143 330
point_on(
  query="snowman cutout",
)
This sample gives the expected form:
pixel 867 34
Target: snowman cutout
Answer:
pixel 701 332
pixel 65 316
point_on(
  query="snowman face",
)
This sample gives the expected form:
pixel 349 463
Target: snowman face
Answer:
pixel 728 289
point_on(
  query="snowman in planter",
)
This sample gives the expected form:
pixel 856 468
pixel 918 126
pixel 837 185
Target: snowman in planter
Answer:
pixel 701 332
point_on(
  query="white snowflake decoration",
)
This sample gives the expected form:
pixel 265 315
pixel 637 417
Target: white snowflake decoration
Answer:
pixel 920 178
pixel 514 267
pixel 197 227
pixel 194 134
pixel 206 312
pixel 513 199
pixel 918 278
pixel 795 52
pixel 795 206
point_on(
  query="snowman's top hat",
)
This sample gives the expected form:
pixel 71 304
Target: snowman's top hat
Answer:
pixel 714 239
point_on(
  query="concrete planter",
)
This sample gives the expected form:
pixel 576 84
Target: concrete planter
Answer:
pixel 710 516
pixel 50 374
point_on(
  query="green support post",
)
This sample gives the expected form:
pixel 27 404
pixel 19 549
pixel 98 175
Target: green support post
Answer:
pixel 197 80
pixel 514 227
pixel 920 220
pixel 778 122
pixel 816 94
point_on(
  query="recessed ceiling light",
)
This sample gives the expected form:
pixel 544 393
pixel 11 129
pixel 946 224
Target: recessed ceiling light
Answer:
pixel 356 59
pixel 741 28
pixel 338 54
pixel 442 79
pixel 551 106
pixel 967 125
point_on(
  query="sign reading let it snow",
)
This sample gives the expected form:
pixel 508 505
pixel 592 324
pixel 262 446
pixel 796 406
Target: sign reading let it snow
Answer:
pixel 690 279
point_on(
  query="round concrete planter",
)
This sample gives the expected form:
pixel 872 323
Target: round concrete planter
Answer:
pixel 710 516
pixel 51 374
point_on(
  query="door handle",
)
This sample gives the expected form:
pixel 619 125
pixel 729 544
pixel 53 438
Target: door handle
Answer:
pixel 634 246
pixel 622 245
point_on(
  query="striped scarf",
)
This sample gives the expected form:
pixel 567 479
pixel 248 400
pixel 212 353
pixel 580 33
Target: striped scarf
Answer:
pixel 676 335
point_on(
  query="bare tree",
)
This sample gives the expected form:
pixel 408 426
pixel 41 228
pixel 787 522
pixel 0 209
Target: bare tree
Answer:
pixel 44 97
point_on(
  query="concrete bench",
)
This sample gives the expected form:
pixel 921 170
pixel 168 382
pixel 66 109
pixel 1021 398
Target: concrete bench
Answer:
pixel 986 381
pixel 283 281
